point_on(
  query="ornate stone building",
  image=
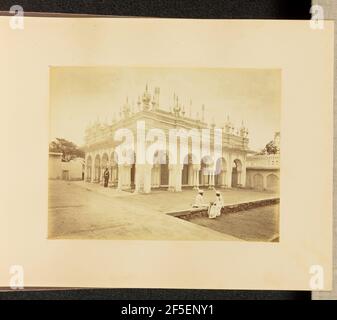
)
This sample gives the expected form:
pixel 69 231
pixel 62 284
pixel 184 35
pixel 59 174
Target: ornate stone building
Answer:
pixel 227 170
pixel 263 170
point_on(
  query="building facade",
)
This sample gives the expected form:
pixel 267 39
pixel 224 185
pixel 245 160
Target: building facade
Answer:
pixel 220 170
pixel 70 170
pixel 263 170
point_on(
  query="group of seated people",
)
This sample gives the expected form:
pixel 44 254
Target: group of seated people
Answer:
pixel 214 208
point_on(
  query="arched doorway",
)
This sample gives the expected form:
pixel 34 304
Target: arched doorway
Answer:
pixel 164 169
pixel 187 173
pixel 220 173
pixel 160 169
pixel 249 183
pixel 97 168
pixel 272 182
pixel 236 173
pixel 204 174
pixel 89 168
pixel 258 182
pixel 105 161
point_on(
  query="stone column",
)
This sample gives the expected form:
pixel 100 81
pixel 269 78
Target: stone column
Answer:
pixel 243 177
pixel 196 170
pixel 155 176
pixel 171 178
pixel 175 171
pixel 147 178
pixel 211 180
pixel 102 177
pixel 143 178
pixel 194 178
pixel 179 169
pixel 124 177
pixel 197 179
pixel 139 178
pixel 111 179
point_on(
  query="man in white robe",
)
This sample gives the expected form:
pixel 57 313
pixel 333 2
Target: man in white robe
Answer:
pixel 199 200
pixel 215 208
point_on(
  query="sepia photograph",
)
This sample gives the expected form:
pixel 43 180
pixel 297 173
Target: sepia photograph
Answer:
pixel 165 153
pixel 158 153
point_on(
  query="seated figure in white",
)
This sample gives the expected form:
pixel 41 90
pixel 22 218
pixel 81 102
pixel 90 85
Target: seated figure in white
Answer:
pixel 199 200
pixel 215 208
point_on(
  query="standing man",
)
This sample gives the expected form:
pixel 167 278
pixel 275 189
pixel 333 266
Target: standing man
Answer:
pixel 106 177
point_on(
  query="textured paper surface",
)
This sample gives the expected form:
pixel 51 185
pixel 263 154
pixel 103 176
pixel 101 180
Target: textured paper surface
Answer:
pixel 330 13
pixel 306 59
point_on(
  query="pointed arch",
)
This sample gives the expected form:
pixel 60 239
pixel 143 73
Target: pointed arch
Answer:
pixel 236 172
pixel 272 182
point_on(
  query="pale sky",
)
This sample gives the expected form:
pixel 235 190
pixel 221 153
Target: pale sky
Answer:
pixel 81 95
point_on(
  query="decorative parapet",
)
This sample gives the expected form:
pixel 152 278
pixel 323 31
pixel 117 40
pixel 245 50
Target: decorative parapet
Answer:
pixel 268 161
pixel 176 116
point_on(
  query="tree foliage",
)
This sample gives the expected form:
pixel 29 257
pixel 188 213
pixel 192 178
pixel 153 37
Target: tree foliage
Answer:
pixel 68 149
pixel 270 148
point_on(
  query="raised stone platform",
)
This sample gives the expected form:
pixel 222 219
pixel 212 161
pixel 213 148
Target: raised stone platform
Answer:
pixel 228 208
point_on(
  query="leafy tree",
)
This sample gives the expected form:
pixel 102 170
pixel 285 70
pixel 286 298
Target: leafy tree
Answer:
pixel 270 148
pixel 69 149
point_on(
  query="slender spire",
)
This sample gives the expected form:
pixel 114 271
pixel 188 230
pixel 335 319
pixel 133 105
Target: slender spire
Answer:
pixel 203 113
pixel 146 99
pixel 177 107
pixel 183 111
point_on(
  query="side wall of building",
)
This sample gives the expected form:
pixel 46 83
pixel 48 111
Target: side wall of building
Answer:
pixel 55 167
pixel 263 179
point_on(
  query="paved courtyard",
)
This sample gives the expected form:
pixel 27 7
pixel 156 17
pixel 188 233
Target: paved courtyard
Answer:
pixel 80 210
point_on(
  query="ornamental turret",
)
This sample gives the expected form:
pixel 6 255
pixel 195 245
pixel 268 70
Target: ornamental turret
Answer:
pixel 146 99
pixel 243 131
pixel 155 99
pixel 228 126
pixel 177 108
pixel 126 109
